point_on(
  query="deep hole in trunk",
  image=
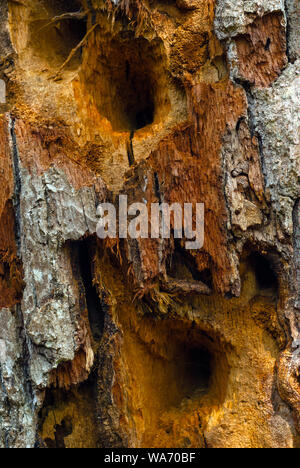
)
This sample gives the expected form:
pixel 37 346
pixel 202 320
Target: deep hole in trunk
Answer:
pixel 264 271
pixel 182 265
pixel 127 81
pixel 175 365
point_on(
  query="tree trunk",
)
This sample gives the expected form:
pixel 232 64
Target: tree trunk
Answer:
pixel 141 342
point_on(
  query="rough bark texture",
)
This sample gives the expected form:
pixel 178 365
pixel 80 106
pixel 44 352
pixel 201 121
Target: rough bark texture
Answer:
pixel 141 343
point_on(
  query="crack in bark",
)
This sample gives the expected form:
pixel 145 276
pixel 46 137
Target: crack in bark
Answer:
pixel 130 153
pixel 18 184
pixel 25 357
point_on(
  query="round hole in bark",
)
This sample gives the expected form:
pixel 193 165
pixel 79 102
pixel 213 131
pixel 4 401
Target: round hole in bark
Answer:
pixel 200 364
pixel 192 359
pixel 127 81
